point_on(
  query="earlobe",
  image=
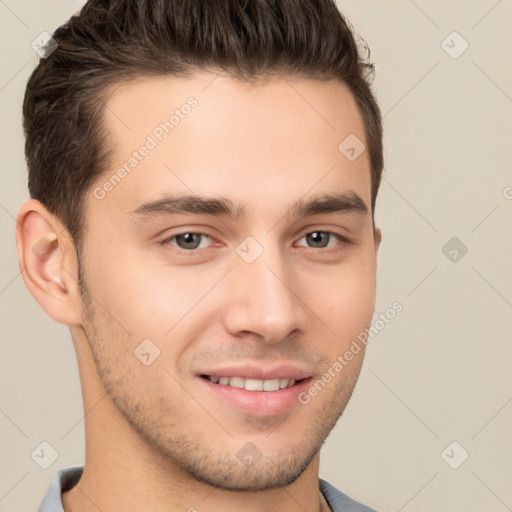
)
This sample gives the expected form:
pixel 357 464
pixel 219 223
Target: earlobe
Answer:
pixel 47 260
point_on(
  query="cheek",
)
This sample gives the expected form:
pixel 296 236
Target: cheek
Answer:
pixel 150 298
pixel 169 306
pixel 133 290
pixel 347 303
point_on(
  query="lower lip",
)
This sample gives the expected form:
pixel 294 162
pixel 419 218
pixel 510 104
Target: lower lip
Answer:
pixel 258 403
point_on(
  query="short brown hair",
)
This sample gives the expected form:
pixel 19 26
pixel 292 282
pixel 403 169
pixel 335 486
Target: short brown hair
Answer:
pixel 111 41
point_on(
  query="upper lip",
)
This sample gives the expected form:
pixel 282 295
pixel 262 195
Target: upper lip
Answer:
pixel 250 371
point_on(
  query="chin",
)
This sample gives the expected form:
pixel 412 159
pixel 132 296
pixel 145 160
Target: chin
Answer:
pixel 263 475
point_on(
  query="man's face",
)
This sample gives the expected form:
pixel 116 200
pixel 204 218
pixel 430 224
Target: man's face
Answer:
pixel 267 292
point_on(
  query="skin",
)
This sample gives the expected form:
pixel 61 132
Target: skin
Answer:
pixel 154 433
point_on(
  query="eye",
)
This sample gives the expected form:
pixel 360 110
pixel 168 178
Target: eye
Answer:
pixel 187 241
pixel 322 239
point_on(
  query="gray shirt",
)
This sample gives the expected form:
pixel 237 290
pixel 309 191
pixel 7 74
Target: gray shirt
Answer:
pixel 66 478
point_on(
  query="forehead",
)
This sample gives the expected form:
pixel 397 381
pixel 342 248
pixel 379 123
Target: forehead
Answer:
pixel 210 134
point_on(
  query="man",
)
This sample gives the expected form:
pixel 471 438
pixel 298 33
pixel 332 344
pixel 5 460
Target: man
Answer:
pixel 203 178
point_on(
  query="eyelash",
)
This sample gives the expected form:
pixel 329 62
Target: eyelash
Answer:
pixel 343 241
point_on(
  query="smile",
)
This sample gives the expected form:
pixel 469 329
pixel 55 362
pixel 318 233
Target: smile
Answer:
pixel 252 384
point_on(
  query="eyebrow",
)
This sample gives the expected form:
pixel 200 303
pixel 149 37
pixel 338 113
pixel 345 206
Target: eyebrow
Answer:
pixel 345 202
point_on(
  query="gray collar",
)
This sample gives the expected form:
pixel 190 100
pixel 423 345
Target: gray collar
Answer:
pixel 67 478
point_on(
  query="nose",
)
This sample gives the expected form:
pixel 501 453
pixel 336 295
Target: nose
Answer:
pixel 263 300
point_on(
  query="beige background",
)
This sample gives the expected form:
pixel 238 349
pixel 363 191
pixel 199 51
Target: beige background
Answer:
pixel 440 371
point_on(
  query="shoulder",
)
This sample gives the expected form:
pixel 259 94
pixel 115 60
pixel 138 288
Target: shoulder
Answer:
pixel 340 502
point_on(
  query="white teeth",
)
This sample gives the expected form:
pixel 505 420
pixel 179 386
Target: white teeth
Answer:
pixel 253 384
pixel 237 382
pixel 271 385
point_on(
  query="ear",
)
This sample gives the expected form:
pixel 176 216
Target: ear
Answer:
pixel 48 263
pixel 377 239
